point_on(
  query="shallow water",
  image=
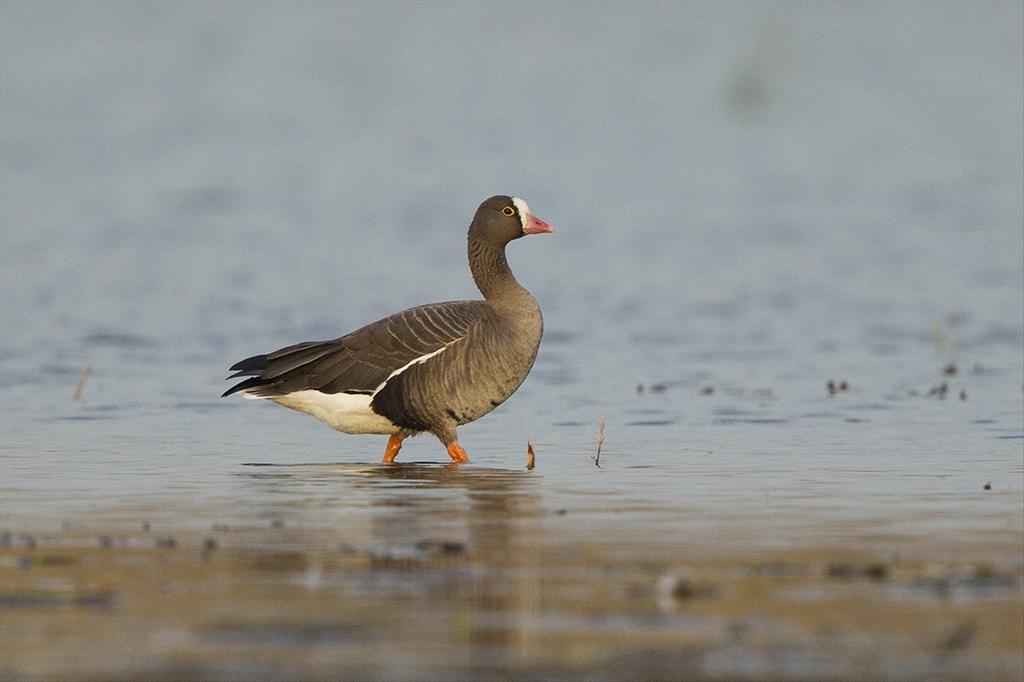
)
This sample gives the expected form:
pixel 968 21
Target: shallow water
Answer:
pixel 751 202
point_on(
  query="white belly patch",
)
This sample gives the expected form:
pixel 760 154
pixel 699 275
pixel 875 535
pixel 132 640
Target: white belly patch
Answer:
pixel 347 412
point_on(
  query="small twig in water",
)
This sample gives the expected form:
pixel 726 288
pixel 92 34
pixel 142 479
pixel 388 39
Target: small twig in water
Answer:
pixel 600 444
pixel 81 382
pixel 530 456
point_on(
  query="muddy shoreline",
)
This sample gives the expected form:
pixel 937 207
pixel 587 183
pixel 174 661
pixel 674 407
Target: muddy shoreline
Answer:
pixel 505 593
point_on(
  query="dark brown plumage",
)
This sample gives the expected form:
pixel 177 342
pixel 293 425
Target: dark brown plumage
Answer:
pixel 430 368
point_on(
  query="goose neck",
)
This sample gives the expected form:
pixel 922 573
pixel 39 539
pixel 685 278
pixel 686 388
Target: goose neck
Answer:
pixel 489 265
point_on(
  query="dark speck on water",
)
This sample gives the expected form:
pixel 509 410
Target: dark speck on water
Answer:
pixel 441 546
pixel 877 571
pixel 836 387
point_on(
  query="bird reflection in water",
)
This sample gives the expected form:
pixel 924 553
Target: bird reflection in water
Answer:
pixel 465 539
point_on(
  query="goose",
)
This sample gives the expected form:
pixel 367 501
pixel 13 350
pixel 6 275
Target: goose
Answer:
pixel 431 368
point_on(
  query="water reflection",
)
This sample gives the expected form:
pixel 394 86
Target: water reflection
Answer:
pixel 479 490
pixel 465 540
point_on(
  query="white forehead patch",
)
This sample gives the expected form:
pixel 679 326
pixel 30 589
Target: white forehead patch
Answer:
pixel 523 209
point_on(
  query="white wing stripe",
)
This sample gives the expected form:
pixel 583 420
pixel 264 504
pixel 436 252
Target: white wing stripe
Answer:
pixel 416 361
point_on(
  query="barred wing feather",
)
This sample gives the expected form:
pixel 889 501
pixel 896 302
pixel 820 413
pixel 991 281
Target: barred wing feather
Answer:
pixel 359 362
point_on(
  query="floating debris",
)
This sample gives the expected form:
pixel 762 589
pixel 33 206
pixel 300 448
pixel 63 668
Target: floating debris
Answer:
pixel 987 486
pixel 707 390
pixel 674 588
pixel 837 387
pixel 600 444
pixel 86 373
pixel 530 456
pixel 876 571
pixel 441 546
pixel 950 370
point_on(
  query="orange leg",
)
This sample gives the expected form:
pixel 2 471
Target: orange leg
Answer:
pixel 391 451
pixel 456 452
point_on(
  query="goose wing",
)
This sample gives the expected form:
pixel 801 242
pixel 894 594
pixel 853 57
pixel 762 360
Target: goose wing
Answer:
pixel 359 362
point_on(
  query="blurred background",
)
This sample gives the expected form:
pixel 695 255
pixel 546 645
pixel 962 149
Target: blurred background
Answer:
pixel 787 279
pixel 231 176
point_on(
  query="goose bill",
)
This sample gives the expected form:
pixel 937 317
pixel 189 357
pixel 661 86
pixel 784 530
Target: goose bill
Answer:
pixel 535 225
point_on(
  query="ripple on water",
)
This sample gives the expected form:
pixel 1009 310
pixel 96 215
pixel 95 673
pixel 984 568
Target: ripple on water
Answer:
pixel 117 340
pixel 869 406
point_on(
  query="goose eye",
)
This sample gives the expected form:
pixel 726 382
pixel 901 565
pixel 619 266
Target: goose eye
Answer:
pixel 509 211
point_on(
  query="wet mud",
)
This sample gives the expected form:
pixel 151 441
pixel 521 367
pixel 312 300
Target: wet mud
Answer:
pixel 496 587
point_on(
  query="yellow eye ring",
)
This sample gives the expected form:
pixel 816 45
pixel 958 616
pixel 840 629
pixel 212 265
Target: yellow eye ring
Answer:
pixel 508 210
